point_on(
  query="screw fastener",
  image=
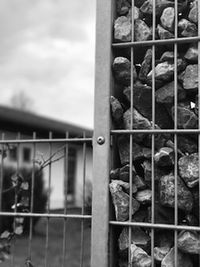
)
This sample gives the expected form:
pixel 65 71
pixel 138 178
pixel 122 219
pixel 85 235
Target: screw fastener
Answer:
pixel 100 140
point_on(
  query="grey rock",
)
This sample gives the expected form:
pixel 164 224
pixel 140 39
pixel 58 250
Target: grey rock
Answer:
pixel 164 72
pixel 189 242
pixel 139 152
pixel 183 259
pixel 192 54
pixel 163 33
pixel 122 70
pixel 123 6
pixel 160 253
pixel 126 186
pixel 137 180
pixel 142 101
pixel 144 197
pixel 189 169
pixel 138 237
pixel 139 122
pixel 142 31
pixel 186 118
pixel 121 202
pixel 147 7
pixel 164 157
pixel 136 14
pixel 146 65
pixel 167 193
pixel 167 56
pixel 165 94
pixel 122 29
pixel 114 174
pixel 189 78
pixel 193 14
pixel 139 257
pixel 167 18
pixel 116 110
pixel 187 28
pixel 187 145
pixel 147 166
pixel 142 123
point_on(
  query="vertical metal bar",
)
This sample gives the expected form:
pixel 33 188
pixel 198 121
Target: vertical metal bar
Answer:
pixel 15 200
pixel 32 198
pixel 48 205
pixel 101 152
pixel 175 136
pixel 66 162
pixel 199 104
pixel 2 171
pixel 131 140
pixel 83 203
pixel 153 137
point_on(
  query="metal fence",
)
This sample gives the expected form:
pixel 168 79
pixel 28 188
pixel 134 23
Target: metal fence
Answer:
pixel 104 231
pixel 65 218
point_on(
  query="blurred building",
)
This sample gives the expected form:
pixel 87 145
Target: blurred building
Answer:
pixel 17 124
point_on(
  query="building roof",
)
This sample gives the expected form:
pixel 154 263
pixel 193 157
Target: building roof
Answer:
pixel 27 123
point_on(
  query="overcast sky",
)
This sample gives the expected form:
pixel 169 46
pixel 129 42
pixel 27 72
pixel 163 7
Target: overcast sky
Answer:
pixel 47 51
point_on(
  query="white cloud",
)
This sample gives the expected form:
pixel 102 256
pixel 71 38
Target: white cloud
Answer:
pixel 51 57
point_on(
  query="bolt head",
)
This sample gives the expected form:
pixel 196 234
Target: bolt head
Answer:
pixel 100 140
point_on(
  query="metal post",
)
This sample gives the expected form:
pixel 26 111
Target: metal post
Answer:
pixel 101 140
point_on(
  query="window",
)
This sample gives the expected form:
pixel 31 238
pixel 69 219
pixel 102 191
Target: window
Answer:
pixel 13 154
pixel 26 154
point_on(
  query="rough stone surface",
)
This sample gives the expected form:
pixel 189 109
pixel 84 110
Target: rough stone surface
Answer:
pixel 142 101
pixel 167 18
pixel 164 72
pixel 187 145
pixel 139 122
pixel 167 56
pixel 165 94
pixel 193 14
pixel 136 14
pixel 164 157
pixel 147 7
pixel 122 29
pixel 160 253
pixel 121 202
pixel 186 118
pixel 139 257
pixel 144 197
pixel 192 54
pixel 123 6
pixel 125 186
pixel 187 28
pixel 116 110
pixel 189 77
pixel 163 33
pixel 158 173
pixel 114 174
pixel 137 180
pixel 139 152
pixel 138 237
pixel 167 193
pixel 189 169
pixel 183 259
pixel 146 65
pixel 142 31
pixel 122 70
pixel 189 242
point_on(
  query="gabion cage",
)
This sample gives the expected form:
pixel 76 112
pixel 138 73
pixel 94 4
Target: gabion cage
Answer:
pixel 146 169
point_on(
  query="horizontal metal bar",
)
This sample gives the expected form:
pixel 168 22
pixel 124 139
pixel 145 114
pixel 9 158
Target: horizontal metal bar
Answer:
pixel 45 215
pixel 156 226
pixel 33 141
pixel 157 131
pixel 157 42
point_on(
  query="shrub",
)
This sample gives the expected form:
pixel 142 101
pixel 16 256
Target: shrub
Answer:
pixel 8 197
